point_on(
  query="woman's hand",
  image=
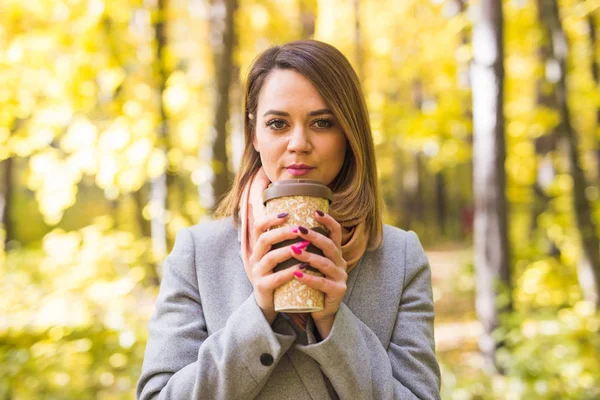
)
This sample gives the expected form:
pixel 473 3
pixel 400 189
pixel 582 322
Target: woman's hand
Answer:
pixel 332 265
pixel 262 261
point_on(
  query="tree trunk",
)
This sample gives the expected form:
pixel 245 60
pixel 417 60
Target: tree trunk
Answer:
pixel 589 266
pixel 492 257
pixel 463 68
pixel 418 209
pixel 158 185
pixel 596 76
pixel 400 204
pixel 6 190
pixel 358 41
pixel 464 204
pixel 440 196
pixel 544 145
pixel 113 206
pixel 413 180
pixel 307 18
pixel 464 200
pixel 223 37
pixel 138 199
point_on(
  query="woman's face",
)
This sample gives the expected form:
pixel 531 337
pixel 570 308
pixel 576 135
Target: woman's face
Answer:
pixel 296 134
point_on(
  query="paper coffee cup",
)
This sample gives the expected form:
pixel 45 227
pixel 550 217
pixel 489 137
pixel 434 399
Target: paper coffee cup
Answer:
pixel 300 198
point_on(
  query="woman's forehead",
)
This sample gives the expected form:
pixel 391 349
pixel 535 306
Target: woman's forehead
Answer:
pixel 289 90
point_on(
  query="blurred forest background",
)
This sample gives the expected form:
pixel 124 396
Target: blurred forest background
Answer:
pixel 120 123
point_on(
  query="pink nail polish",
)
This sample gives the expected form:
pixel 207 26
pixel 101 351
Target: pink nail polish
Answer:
pixel 304 244
pixel 296 250
pixel 295 230
pixel 298 274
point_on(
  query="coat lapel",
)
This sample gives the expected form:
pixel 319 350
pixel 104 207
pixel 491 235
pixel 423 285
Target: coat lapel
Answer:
pixel 307 368
pixel 352 278
pixel 310 374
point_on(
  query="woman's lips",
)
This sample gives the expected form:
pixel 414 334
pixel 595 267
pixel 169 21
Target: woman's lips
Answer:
pixel 298 171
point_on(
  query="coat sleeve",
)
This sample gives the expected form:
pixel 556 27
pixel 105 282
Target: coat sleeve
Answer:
pixel 182 361
pixel 357 364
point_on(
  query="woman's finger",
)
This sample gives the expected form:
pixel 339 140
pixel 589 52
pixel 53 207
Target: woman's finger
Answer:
pixel 267 222
pixel 261 226
pixel 267 239
pixel 324 243
pixel 335 229
pixel 323 264
pixel 273 281
pixel 271 259
pixel 332 289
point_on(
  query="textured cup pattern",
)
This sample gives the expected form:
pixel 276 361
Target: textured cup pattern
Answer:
pixel 295 296
pixel 301 209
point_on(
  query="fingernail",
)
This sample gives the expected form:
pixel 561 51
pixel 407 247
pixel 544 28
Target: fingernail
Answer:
pixel 303 265
pixel 296 250
pixel 303 245
pixel 295 229
pixel 303 230
pixel 298 274
pixel 282 215
pixel 320 213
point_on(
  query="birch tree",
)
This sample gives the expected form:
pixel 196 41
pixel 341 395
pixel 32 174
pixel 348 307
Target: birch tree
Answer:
pixel 492 257
pixel 589 265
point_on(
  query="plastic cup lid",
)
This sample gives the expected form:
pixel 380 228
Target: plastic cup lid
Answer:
pixel 297 187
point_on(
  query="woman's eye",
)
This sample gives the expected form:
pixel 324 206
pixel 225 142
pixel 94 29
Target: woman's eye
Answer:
pixel 276 124
pixel 323 123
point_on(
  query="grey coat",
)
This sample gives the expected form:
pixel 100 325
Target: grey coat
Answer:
pixel 208 339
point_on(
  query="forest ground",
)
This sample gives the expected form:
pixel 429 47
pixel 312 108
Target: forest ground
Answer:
pixel 456 325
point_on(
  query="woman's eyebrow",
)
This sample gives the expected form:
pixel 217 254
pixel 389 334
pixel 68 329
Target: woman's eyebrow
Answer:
pixel 322 111
pixel 277 112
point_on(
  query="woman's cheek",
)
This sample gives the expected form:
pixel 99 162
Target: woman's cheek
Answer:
pixel 269 169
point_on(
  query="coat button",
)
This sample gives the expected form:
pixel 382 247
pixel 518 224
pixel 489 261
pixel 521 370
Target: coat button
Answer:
pixel 266 359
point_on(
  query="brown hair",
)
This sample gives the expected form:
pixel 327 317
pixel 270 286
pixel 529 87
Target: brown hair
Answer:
pixel 356 189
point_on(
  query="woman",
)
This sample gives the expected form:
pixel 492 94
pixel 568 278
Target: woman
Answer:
pixel 215 333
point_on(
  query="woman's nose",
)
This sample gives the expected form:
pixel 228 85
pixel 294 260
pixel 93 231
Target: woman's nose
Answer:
pixel 299 140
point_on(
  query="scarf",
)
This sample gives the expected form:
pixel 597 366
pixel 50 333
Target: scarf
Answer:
pixel 354 238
